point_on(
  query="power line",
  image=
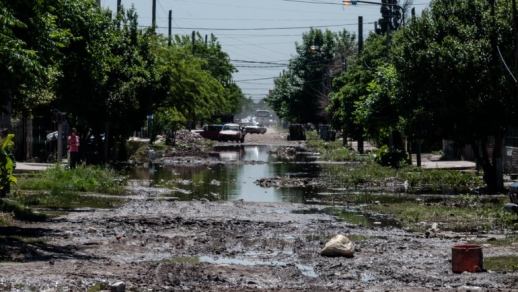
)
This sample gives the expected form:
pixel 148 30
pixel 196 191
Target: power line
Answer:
pixel 259 67
pixel 313 2
pixel 256 19
pixel 262 62
pixel 216 3
pixel 266 78
pixel 259 28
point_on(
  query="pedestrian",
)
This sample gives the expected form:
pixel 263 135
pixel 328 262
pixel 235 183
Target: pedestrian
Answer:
pixel 73 148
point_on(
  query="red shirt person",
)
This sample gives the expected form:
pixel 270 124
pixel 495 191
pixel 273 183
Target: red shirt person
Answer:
pixel 73 147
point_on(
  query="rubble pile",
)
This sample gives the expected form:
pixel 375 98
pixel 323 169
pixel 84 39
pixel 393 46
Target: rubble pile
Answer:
pixel 287 181
pixel 286 152
pixel 187 143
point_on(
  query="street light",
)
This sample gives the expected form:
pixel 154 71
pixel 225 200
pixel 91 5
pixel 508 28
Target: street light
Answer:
pixel 386 6
pixel 354 2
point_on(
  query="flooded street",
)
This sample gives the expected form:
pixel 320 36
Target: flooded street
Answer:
pixel 212 227
pixel 235 181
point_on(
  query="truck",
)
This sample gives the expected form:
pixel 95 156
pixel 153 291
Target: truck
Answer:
pixel 209 131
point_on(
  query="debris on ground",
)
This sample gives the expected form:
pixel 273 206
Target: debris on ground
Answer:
pixel 338 246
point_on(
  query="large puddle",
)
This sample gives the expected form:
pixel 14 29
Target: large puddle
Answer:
pixel 235 181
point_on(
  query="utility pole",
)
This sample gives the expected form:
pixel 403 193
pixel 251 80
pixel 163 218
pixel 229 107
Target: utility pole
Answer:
pixel 118 12
pixel 360 47
pixel 193 39
pixel 153 19
pixel 170 21
pixel 360 35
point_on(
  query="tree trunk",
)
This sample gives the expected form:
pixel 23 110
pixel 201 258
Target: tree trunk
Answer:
pixel 418 153
pixel 344 138
pixel 493 168
pixel 498 162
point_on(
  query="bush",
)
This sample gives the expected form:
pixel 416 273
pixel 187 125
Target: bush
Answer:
pixel 392 157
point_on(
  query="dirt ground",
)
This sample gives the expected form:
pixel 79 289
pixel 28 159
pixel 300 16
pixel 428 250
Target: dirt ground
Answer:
pixel 155 244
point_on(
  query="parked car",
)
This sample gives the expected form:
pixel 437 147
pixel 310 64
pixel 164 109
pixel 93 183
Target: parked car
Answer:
pixel 232 132
pixel 255 128
pixel 209 131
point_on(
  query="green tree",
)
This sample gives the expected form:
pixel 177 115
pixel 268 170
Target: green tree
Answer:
pixel 192 91
pixel 285 98
pixel 352 87
pixel 453 83
pixel 217 63
pixel 301 94
pixel 29 45
pixel 134 84
pixel 85 62
pixel 377 111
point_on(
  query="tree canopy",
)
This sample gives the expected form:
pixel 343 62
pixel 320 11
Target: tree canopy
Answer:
pixel 104 71
pixel 453 80
pixel 301 94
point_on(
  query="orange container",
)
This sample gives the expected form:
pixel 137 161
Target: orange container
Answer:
pixel 467 258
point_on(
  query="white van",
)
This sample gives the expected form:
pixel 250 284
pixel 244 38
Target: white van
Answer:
pixel 263 117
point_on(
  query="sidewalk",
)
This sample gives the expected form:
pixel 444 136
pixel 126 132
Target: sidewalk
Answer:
pixel 430 161
pixel 456 164
pixel 31 166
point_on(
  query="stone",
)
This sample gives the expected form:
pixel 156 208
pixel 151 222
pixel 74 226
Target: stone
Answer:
pixel 338 246
pixel 118 287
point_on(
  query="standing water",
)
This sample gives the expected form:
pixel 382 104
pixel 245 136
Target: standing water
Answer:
pixel 235 181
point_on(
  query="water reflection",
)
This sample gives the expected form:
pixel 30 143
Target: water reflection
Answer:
pixel 234 181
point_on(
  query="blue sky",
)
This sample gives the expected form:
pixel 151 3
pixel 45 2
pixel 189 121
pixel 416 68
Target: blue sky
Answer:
pixel 254 32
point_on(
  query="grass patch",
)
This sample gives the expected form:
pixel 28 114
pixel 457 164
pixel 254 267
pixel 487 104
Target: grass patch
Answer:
pixel 367 175
pixel 69 200
pixel 333 150
pixel 55 191
pixel 362 170
pixel 454 213
pixel 355 174
pixel 510 239
pixel 11 209
pixel 440 180
pixel 508 263
pixel 82 179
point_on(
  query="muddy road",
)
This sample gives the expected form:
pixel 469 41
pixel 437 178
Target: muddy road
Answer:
pixel 155 243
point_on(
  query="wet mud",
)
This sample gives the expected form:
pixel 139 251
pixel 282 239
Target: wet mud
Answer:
pixel 160 245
